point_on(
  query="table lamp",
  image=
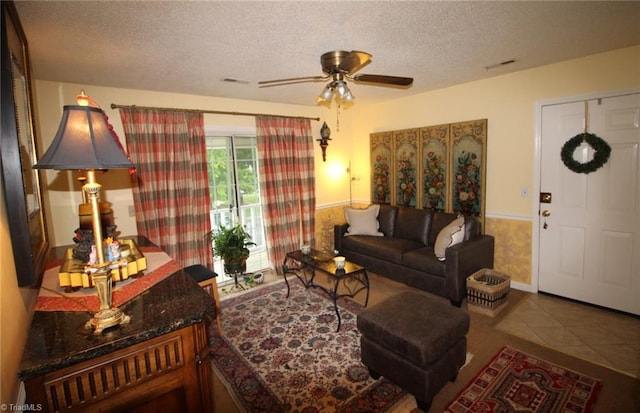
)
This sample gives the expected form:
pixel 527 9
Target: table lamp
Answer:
pixel 85 142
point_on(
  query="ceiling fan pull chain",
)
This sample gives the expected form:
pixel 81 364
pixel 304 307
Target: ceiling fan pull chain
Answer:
pixel 338 117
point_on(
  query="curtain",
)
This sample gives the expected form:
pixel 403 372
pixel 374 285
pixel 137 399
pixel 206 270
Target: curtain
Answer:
pixel 171 189
pixel 287 184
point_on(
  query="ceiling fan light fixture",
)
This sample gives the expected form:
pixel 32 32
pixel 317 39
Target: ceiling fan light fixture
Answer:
pixel 344 92
pixel 340 87
pixel 326 94
pixel 339 66
pixel 348 96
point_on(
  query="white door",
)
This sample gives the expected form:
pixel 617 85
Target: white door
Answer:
pixel 589 249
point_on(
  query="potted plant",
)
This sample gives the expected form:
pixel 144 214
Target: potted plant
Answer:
pixel 232 245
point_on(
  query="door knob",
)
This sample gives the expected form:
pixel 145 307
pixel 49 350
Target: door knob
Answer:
pixel 545 214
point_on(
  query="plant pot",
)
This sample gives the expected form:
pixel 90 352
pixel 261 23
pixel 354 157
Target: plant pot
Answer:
pixel 235 268
pixel 258 278
pixel 251 278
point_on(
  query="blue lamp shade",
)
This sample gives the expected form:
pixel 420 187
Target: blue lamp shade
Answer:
pixel 83 141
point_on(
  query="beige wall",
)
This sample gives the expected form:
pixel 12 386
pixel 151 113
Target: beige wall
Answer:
pixel 16 309
pixel 508 102
pixel 62 192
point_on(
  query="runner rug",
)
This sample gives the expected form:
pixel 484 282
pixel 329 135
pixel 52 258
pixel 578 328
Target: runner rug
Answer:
pixel 280 354
pixel 515 381
pixel 52 297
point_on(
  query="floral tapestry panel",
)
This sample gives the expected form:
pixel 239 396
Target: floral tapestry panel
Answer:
pixel 406 147
pixel 468 163
pixel 435 155
pixel 381 160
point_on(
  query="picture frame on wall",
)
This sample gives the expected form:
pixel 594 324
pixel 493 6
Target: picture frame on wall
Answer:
pixel 21 183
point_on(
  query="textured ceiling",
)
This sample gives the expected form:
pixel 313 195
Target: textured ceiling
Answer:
pixel 191 46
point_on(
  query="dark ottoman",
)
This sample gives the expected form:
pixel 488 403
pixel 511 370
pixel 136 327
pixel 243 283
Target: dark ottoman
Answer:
pixel 415 340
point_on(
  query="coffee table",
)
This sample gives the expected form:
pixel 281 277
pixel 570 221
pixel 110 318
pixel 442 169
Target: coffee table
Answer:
pixel 353 277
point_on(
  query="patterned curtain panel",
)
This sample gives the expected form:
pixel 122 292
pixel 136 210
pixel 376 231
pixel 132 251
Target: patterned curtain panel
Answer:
pixel 171 193
pixel 287 183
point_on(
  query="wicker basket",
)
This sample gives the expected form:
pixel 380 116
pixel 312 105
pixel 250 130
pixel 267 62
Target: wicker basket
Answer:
pixel 487 292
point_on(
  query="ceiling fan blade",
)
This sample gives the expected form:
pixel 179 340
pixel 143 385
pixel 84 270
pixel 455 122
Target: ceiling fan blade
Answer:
pixel 388 80
pixel 293 80
pixel 354 61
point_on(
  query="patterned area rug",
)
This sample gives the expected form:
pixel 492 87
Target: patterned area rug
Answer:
pixel 282 354
pixel 515 381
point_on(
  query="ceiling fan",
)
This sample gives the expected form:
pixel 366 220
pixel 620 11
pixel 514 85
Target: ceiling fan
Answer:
pixel 340 65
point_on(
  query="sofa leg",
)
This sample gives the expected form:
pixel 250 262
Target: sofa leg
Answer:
pixel 456 303
pixel 424 406
pixel 374 374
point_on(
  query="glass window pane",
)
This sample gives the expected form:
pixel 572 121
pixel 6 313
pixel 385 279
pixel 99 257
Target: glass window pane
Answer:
pixel 234 179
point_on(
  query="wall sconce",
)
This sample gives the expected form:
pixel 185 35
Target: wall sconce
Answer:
pixel 84 142
pixel 325 132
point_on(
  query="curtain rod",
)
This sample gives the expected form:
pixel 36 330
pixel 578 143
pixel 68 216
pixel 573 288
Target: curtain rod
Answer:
pixel 215 112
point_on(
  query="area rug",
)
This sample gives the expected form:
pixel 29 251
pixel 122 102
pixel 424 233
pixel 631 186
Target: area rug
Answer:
pixel 280 354
pixel 515 381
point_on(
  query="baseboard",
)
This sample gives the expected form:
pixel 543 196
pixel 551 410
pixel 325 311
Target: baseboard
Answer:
pixel 522 287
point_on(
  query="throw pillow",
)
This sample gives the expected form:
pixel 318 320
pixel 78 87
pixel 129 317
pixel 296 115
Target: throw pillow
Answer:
pixel 450 235
pixel 363 221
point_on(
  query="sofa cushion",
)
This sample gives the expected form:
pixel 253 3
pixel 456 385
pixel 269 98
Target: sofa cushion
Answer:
pixel 439 220
pixel 362 221
pixel 387 219
pixel 386 248
pixel 423 259
pixel 451 234
pixel 413 224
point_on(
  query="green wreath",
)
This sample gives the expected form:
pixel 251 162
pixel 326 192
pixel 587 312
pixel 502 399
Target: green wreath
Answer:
pixel 600 157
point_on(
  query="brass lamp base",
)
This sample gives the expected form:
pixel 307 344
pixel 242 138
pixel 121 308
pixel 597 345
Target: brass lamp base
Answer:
pixel 107 316
pixel 104 319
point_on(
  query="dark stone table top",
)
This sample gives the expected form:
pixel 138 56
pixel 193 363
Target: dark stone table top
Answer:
pixel 58 339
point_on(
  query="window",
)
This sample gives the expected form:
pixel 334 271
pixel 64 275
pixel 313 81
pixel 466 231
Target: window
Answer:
pixel 234 188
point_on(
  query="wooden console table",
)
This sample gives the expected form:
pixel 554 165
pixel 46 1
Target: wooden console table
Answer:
pixel 158 362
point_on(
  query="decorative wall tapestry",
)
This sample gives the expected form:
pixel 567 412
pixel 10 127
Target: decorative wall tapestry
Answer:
pixel 442 167
pixel 468 156
pixel 435 159
pixel 381 167
pixel 406 166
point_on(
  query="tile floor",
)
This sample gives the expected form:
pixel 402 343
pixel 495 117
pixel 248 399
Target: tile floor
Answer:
pixel 604 337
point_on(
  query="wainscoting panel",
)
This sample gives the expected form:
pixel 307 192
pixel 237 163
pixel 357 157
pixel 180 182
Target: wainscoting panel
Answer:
pixel 513 247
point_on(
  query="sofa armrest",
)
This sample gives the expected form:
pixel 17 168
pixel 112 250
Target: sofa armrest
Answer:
pixel 338 235
pixel 464 259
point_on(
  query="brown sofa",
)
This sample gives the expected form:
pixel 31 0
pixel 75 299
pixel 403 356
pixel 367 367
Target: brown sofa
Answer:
pixel 404 250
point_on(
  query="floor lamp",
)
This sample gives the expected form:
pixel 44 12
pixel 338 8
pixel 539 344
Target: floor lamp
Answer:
pixel 84 142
